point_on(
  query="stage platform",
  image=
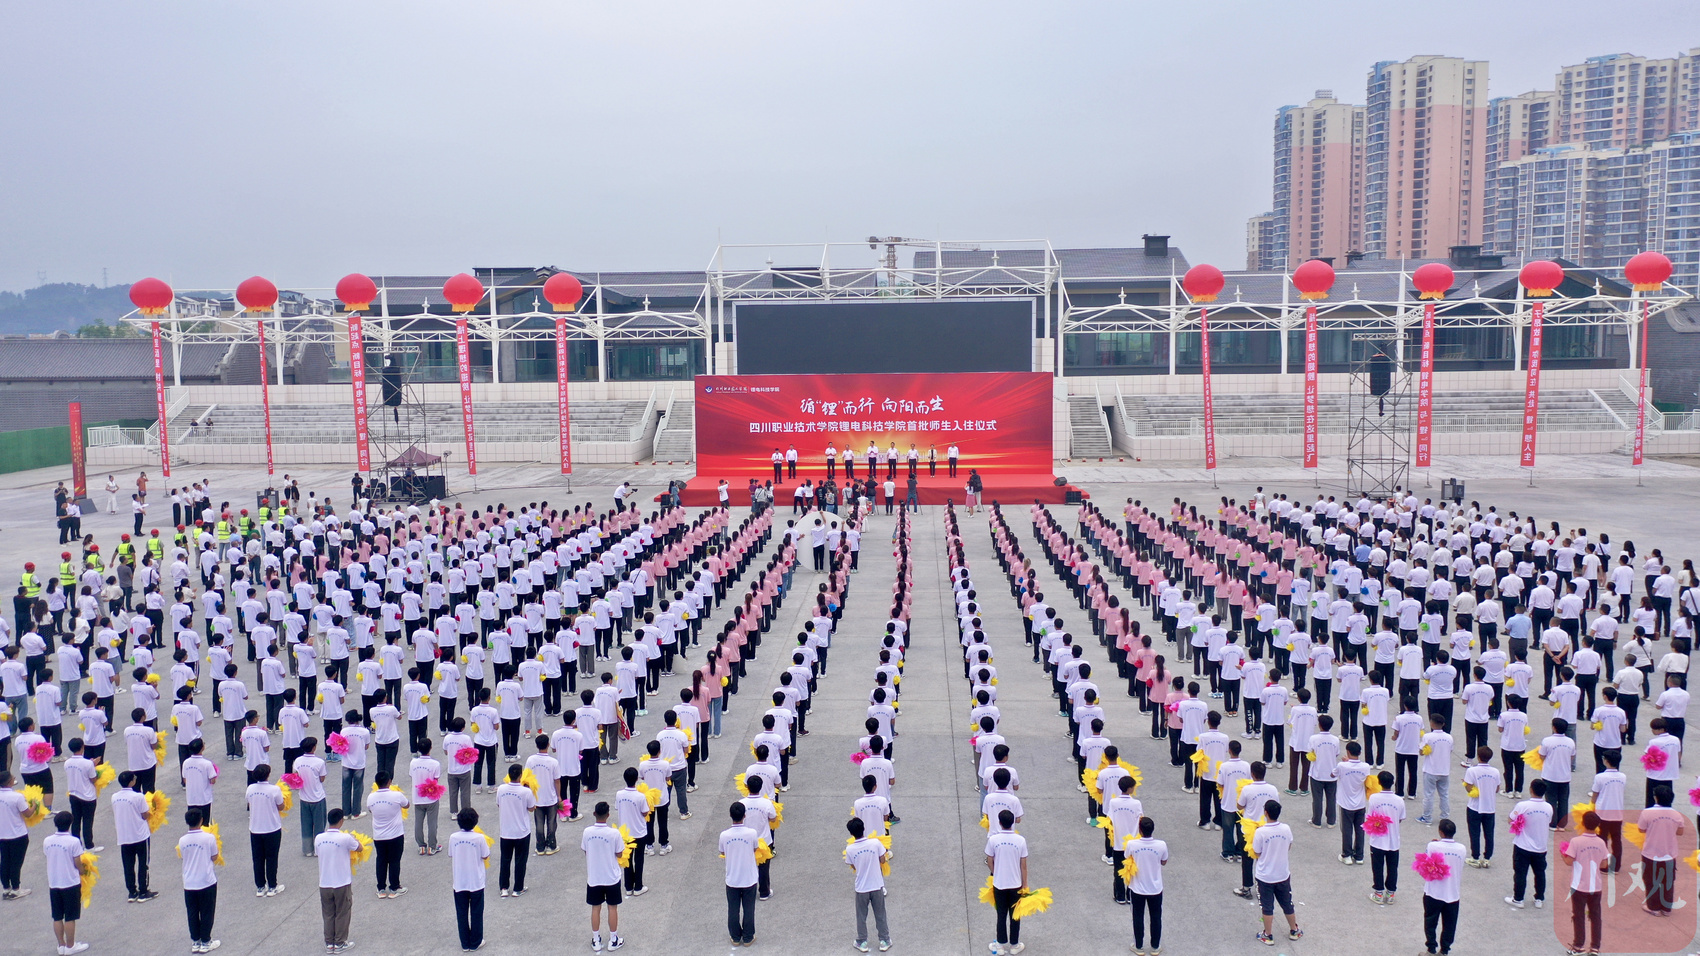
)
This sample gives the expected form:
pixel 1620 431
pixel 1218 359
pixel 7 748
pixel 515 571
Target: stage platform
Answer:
pixel 1016 489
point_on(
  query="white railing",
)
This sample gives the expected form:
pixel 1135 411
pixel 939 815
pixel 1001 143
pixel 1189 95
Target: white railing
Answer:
pixel 1608 409
pixel 1682 422
pixel 107 436
pixel 1631 387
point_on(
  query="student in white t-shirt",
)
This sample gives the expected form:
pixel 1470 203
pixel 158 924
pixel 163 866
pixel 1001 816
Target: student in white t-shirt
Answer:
pixel 1145 891
pixel 1270 845
pixel 1006 859
pixel 469 854
pixel 1440 897
pixel 865 855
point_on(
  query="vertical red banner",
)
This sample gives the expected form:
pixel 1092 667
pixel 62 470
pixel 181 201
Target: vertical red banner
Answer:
pixel 1425 391
pixel 1209 403
pixel 159 402
pixel 464 350
pixel 561 394
pixel 1641 391
pixel 1532 388
pixel 79 455
pixel 357 378
pixel 265 394
pixel 1310 387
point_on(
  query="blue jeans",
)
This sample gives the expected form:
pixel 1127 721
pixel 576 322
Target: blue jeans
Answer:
pixel 312 824
pixel 715 707
pixel 677 778
pixel 353 790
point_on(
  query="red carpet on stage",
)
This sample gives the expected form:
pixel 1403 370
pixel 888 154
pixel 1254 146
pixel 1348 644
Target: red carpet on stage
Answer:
pixel 1016 489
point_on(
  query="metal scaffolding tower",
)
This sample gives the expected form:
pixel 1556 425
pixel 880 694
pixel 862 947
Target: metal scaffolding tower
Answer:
pixel 1381 411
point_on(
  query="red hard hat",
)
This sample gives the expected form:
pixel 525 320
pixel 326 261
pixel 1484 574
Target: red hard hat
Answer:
pixel 124 537
pixel 64 555
pixel 179 527
pixel 244 510
pixel 94 548
pixel 29 565
pixel 155 531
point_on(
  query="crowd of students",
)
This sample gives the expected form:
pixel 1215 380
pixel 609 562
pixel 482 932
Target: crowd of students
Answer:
pixel 1294 613
pixel 399 606
pixel 1322 629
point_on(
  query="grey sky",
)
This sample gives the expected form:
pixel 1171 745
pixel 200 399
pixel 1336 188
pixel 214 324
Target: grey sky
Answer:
pixel 205 142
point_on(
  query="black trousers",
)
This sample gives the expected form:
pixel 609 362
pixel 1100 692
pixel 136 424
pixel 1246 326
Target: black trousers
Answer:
pixel 12 861
pixel 1143 904
pixel 1443 916
pixel 741 913
pixel 388 853
pixel 1522 863
pixel 82 820
pixel 1481 833
pixel 264 848
pixel 514 854
pixel 1009 928
pixel 469 917
pixel 201 906
pixel 135 856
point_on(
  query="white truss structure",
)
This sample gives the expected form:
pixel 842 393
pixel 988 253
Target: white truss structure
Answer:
pixel 1351 312
pixel 196 317
pixel 838 271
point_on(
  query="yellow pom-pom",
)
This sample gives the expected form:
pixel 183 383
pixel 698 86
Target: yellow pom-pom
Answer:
pixel 35 809
pixel 361 853
pixel 1472 791
pixel 288 798
pixel 530 779
pixel 1534 760
pixel 1130 869
pixel 986 896
pixel 103 775
pixel 985 824
pixel 158 806
pixel 763 852
pixel 1032 903
pixel 88 874
pixel 1598 725
pixel 218 843
pixel 489 841
pixel 1426 750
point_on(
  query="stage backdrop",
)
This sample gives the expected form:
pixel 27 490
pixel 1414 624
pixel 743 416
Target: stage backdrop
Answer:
pixel 1001 421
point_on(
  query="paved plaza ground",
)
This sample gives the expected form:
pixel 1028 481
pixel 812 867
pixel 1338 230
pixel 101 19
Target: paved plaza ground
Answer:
pixel 939 866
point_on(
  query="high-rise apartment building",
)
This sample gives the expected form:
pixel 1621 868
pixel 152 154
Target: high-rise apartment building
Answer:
pixel 1424 154
pixel 1260 254
pixel 1624 100
pixel 1319 153
pixel 1599 207
pixel 1517 126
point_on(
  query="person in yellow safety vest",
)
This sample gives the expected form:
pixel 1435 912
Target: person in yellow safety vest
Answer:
pixel 67 570
pixel 92 558
pixel 181 539
pixel 156 546
pixel 222 529
pixel 265 513
pixel 246 524
pixel 31 583
pixel 126 550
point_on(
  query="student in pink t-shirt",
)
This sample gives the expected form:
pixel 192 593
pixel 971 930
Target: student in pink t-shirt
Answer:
pixel 1661 826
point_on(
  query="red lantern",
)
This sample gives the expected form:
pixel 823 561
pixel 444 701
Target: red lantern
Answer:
pixel 1541 277
pixel 563 292
pixel 356 291
pixel 463 292
pixel 1203 283
pixel 1432 280
pixel 256 294
pixel 151 296
pixel 1647 271
pixel 1314 279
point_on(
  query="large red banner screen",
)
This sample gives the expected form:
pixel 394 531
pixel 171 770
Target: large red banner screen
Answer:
pixel 1000 421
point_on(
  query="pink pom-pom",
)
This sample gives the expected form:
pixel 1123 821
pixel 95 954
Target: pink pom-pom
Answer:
pixel 1173 707
pixel 338 744
pixel 40 752
pixel 1694 797
pixel 430 788
pixel 565 811
pixel 1564 848
pixel 1654 758
pixel 1431 866
pixel 857 758
pixel 1518 822
pixel 294 781
pixel 1377 824
pixel 466 756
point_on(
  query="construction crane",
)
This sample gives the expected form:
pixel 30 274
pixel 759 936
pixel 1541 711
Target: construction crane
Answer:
pixel 892 242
